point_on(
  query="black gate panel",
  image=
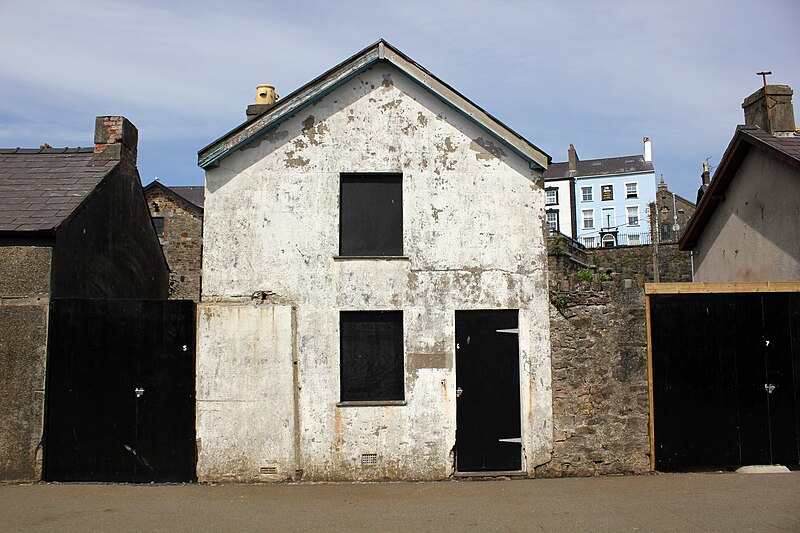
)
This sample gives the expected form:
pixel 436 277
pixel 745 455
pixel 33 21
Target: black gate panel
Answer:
pixel 120 391
pixel 724 379
pixel 488 434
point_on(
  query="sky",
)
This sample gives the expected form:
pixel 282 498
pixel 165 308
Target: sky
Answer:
pixel 600 75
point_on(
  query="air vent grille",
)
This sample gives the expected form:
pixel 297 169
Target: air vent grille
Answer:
pixel 269 470
pixel 369 458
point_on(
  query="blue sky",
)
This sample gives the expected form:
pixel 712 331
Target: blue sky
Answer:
pixel 601 75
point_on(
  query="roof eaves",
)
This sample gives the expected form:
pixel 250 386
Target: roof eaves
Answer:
pixel 305 95
pixel 327 82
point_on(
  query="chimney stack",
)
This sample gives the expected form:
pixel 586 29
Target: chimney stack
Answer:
pixel 647 151
pixel 770 108
pixel 706 180
pixel 573 160
pixel 115 137
pixel 266 97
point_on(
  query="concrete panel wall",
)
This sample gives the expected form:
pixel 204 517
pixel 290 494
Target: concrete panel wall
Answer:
pixel 473 215
pixel 752 235
pixel 24 304
pixel 245 393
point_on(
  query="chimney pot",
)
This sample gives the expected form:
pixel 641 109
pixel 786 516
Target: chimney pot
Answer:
pixel 265 99
pixel 647 151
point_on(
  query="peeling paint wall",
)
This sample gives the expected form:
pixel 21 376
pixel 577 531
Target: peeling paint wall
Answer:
pixel 473 219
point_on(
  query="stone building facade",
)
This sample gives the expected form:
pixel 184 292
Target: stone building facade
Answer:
pixel 674 212
pixel 177 213
pixel 281 281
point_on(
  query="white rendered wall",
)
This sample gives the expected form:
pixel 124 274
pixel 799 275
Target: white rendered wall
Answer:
pixel 474 237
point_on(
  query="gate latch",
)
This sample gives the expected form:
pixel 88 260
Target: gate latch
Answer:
pixel 769 387
pixel 139 391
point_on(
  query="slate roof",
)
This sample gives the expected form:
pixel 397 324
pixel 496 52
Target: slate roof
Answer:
pixel 40 188
pixel 191 193
pixel 600 167
pixel 786 148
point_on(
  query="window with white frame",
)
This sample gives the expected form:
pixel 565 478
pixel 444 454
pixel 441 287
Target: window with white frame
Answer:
pixel 633 239
pixel 631 190
pixel 587 216
pixel 587 194
pixel 588 242
pixel 633 215
pixel 552 220
pixel 551 196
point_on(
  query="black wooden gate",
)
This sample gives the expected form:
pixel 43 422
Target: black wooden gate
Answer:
pixel 726 379
pixel 120 399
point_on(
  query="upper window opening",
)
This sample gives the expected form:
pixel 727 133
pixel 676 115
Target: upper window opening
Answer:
pixel 371 215
pixel 158 225
pixel 551 196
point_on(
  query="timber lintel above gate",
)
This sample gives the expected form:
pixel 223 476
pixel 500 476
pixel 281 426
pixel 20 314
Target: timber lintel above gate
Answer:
pixel 721 287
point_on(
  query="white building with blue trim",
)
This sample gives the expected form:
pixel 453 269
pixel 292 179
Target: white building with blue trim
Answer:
pixel 602 202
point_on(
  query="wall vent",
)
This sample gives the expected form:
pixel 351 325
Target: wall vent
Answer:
pixel 268 470
pixel 369 458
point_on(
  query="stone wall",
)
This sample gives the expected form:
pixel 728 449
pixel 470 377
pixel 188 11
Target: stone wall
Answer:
pixel 24 304
pixel 182 242
pixel 632 261
pixel 600 390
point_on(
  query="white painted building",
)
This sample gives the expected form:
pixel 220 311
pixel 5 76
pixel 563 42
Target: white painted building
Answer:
pixel 375 300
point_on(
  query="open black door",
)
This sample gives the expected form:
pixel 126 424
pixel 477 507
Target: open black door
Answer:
pixel 488 437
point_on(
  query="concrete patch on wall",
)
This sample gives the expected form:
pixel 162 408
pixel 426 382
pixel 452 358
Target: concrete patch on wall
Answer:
pixel 245 393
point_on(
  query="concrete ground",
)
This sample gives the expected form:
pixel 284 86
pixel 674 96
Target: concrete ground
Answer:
pixel 674 502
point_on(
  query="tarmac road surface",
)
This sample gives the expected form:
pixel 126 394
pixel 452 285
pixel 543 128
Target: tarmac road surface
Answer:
pixel 724 502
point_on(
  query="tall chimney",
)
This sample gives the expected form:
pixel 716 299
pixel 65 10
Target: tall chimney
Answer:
pixel 265 99
pixel 706 180
pixel 115 137
pixel 647 151
pixel 770 108
pixel 573 160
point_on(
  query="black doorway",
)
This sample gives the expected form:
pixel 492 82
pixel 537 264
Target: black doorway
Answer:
pixel 120 400
pixel 488 437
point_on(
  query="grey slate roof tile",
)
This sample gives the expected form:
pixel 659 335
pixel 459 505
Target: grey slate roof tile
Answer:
pixel 39 188
pixel 600 167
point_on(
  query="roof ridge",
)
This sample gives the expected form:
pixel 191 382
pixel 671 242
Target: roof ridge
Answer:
pixel 48 150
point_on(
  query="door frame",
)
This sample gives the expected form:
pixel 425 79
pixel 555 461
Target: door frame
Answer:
pixel 696 288
pixel 520 408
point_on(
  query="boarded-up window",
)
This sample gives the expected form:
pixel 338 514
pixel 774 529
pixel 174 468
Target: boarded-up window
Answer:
pixel 371 355
pixel 371 215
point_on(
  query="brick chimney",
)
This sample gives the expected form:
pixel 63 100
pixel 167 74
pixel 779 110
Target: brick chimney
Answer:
pixel 573 160
pixel 115 138
pixel 770 108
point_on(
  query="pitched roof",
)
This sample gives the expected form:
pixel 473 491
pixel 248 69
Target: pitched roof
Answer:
pixel 193 194
pixel 40 188
pixel 631 164
pixel 786 148
pixel 381 51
